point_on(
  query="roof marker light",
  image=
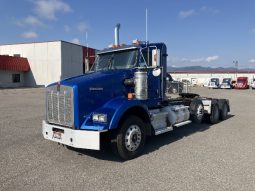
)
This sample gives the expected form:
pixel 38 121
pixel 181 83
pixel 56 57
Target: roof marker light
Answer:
pixel 136 41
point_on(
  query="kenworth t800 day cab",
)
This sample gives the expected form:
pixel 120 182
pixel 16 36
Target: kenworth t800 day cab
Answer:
pixel 124 96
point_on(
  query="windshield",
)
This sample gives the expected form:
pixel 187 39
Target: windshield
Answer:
pixel 226 80
pixel 115 60
pixel 241 81
pixel 214 80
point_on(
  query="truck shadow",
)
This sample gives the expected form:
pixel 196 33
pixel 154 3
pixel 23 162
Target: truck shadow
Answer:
pixel 153 143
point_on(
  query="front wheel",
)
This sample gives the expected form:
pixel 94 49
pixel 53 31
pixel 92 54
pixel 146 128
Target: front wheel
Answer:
pixel 130 139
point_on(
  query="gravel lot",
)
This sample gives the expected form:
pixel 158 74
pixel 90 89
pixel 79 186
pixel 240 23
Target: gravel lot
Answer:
pixel 194 157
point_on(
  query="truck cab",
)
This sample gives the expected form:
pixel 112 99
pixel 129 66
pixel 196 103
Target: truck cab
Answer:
pixel 214 83
pixel 226 83
pixel 253 84
pixel 242 83
pixel 123 96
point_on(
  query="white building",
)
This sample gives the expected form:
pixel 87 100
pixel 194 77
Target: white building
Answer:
pixel 49 61
pixel 202 77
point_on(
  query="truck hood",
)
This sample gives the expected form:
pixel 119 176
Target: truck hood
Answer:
pixel 98 79
pixel 93 90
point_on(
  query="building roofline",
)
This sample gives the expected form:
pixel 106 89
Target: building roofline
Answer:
pixel 76 44
pixel 35 42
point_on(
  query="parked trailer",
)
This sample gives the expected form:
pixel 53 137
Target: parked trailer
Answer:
pixel 123 97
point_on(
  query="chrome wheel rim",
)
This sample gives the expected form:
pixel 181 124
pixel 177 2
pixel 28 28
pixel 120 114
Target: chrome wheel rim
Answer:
pixel 133 138
pixel 200 111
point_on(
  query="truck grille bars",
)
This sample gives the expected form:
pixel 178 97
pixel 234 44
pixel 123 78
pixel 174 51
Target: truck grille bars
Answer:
pixel 59 105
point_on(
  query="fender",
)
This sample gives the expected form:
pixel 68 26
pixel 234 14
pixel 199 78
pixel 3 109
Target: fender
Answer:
pixel 114 109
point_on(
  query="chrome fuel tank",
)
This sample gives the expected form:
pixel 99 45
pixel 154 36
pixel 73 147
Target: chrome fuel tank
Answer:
pixel 141 85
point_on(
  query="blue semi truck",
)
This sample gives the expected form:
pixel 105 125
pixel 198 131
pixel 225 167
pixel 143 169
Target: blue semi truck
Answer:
pixel 123 96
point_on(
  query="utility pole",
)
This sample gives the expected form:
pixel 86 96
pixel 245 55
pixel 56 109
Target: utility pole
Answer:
pixel 87 54
pixel 235 62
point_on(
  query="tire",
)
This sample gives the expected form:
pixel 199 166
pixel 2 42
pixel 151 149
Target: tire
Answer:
pixel 129 141
pixel 215 114
pixel 197 111
pixel 224 112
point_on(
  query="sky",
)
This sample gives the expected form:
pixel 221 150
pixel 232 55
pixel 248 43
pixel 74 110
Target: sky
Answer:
pixel 213 33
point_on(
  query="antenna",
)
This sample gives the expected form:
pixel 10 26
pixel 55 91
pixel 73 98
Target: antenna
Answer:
pixel 87 54
pixel 87 42
pixel 146 26
pixel 146 29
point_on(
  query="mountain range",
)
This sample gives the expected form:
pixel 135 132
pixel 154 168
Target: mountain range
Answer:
pixel 201 68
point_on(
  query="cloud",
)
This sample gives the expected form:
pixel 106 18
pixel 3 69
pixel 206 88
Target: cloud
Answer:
pixel 194 60
pixel 188 13
pixel 197 60
pixel 252 61
pixel 29 34
pixel 253 30
pixel 30 21
pixel 48 9
pixel 82 27
pixel 209 10
pixel 67 28
pixel 212 58
pixel 76 41
pixel 201 11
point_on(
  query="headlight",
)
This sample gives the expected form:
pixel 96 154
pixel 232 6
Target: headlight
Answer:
pixel 99 117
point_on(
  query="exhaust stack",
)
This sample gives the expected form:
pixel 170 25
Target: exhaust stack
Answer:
pixel 116 32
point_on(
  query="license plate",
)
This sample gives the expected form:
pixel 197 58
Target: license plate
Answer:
pixel 57 135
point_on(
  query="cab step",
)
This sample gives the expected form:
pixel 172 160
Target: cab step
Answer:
pixel 182 123
pixel 163 130
pixel 166 129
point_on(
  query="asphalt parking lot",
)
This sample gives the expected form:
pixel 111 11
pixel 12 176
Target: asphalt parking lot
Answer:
pixel 194 157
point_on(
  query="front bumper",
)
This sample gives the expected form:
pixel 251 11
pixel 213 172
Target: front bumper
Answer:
pixel 215 87
pixel 240 87
pixel 225 87
pixel 71 137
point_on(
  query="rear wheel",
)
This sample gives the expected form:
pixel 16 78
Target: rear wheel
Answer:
pixel 130 139
pixel 197 111
pixel 224 112
pixel 215 114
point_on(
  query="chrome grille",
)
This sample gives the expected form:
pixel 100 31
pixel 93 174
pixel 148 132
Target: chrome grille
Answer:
pixel 59 101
